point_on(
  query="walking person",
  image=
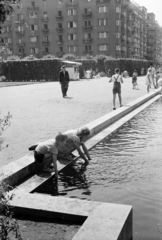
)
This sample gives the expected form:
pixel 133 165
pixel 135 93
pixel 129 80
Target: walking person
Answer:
pixel 64 80
pixel 153 72
pixel 134 80
pixel 117 80
pixel 149 79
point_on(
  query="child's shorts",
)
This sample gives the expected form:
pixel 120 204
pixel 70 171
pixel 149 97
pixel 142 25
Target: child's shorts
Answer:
pixel 38 157
pixel 116 90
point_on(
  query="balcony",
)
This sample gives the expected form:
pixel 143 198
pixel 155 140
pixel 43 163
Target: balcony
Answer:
pixel 74 5
pixel 19 32
pixel 59 17
pixel 46 43
pixel 60 30
pixel 87 40
pixel 59 42
pixel 31 8
pixel 89 52
pixel 102 1
pixel 45 30
pixel 87 15
pixel 20 21
pixel 87 28
pixel 21 44
pixel 45 19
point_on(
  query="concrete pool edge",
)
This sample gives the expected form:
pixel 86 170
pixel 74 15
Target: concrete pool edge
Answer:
pixel 23 167
pixel 120 228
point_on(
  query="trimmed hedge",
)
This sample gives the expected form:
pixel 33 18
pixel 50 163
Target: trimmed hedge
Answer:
pixel 127 64
pixel 48 69
pixel 25 70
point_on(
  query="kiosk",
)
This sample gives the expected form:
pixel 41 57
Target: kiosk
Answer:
pixel 73 69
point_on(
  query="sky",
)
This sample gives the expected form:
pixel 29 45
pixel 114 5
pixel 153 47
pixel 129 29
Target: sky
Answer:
pixel 154 6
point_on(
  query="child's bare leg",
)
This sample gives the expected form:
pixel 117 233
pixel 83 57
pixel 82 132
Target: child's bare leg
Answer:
pixel 148 88
pixel 120 99
pixel 114 98
pixel 47 160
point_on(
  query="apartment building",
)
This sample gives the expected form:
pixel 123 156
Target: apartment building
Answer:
pixel 116 28
pixel 154 39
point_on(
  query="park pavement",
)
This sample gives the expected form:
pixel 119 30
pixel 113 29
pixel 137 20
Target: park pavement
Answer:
pixel 39 111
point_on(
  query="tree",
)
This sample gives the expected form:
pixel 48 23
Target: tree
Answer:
pixel 6 8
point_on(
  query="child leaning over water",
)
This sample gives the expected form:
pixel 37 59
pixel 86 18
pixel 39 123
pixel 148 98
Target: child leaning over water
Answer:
pixel 46 153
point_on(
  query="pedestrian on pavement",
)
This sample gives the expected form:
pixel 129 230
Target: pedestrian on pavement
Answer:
pixel 160 84
pixel 117 80
pixel 149 79
pixel 75 140
pixel 46 153
pixel 157 77
pixel 134 80
pixel 64 80
pixel 153 72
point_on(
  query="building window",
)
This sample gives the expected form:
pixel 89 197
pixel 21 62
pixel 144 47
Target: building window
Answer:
pixel 33 15
pixel 34 50
pixel 87 10
pixel 20 17
pixel 72 36
pixel 88 48
pixel 72 24
pixel 8 18
pixel 117 35
pixel 118 10
pixel 33 27
pixel 33 4
pixel 34 39
pixel 45 15
pixel 59 13
pixel 87 36
pixel 20 28
pixel 102 9
pixel 46 50
pixel 87 23
pixel 46 38
pixel 21 51
pixel 72 49
pixel 59 25
pixel 118 22
pixel 103 47
pixel 44 3
pixel 20 40
pixel 45 26
pixel 102 34
pixel 71 12
pixel 102 22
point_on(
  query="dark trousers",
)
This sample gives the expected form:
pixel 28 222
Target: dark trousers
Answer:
pixel 64 87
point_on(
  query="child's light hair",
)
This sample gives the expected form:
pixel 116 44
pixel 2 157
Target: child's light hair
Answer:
pixel 61 137
pixel 84 131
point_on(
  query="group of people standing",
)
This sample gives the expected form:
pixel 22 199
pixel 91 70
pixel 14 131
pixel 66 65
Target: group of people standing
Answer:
pixel 153 78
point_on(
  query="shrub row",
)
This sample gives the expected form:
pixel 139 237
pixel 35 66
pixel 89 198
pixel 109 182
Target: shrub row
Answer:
pixel 48 69
pixel 31 70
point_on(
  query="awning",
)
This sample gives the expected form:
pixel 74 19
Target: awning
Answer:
pixel 73 63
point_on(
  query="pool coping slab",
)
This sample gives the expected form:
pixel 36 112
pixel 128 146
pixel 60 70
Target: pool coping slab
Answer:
pixel 29 203
pixel 107 220
pixel 23 167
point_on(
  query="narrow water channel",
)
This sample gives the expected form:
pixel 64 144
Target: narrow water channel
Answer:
pixel 126 169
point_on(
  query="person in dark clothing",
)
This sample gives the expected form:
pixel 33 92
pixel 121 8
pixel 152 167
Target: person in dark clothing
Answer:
pixel 117 80
pixel 64 81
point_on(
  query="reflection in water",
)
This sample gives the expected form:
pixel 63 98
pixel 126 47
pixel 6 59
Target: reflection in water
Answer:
pixel 125 168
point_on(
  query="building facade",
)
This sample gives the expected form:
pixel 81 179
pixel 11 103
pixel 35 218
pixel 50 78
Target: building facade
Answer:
pixel 116 28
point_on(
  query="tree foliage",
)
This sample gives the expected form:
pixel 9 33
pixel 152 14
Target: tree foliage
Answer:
pixel 6 8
